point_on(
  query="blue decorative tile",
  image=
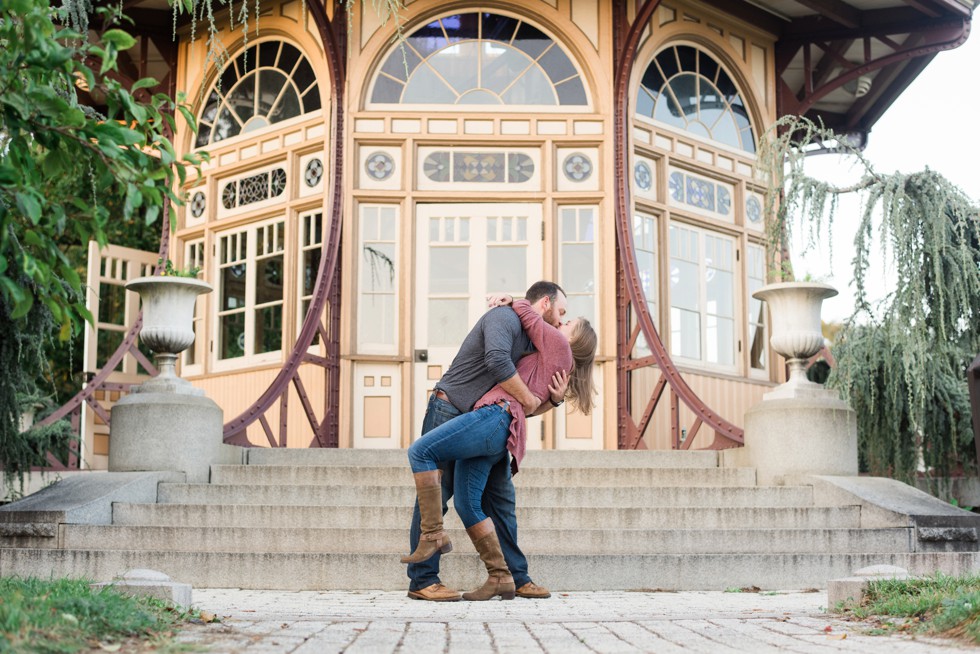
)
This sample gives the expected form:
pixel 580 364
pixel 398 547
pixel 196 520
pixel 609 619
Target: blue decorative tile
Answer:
pixel 700 193
pixel 379 165
pixel 577 167
pixel 642 176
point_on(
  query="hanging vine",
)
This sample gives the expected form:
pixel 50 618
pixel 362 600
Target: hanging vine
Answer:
pixel 901 362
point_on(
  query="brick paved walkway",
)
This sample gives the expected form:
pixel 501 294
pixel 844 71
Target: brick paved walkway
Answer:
pixel 276 622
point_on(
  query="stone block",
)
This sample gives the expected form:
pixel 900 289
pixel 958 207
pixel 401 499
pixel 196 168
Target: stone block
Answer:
pixel 142 582
pixel 167 431
pixel 846 593
pixel 811 435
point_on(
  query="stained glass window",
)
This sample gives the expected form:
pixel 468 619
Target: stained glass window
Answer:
pixel 479 59
pixel 685 88
pixel 265 84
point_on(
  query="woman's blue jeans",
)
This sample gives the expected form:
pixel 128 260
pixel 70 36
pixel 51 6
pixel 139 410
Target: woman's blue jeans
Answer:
pixel 475 441
pixel 499 502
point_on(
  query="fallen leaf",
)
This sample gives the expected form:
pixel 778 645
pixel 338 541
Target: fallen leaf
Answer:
pixel 828 628
pixel 837 636
pixel 110 647
pixel 207 616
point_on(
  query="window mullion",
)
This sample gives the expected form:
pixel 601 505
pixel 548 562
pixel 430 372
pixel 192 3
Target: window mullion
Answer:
pixel 703 292
pixel 251 270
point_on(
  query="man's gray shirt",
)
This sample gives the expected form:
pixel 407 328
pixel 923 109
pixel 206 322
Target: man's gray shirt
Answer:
pixel 487 357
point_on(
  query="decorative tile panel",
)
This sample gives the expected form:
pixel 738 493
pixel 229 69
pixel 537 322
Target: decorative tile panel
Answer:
pixel 578 169
pixel 253 188
pixel 753 211
pixel 313 168
pixel 197 205
pixel 515 169
pixel 644 178
pixel 380 167
pixel 702 195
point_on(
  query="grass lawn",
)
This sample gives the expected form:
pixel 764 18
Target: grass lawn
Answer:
pixel 66 615
pixel 936 606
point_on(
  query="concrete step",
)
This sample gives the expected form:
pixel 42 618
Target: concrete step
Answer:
pixel 528 477
pixel 560 572
pixel 533 459
pixel 533 541
pixel 528 516
pixel 635 496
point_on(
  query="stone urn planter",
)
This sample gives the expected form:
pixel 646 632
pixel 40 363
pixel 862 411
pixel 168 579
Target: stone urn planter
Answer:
pixel 800 428
pixel 168 325
pixel 165 423
pixel 794 308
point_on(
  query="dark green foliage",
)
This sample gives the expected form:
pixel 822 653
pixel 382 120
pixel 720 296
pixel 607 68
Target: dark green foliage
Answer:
pixel 902 364
pixel 22 351
pixel 67 175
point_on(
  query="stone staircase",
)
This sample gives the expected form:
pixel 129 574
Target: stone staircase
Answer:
pixel 610 520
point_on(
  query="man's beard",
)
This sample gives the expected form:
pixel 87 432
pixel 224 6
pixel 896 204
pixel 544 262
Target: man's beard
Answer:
pixel 550 317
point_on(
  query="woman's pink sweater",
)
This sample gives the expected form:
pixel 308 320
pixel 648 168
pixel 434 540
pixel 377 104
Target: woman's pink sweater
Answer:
pixel 536 369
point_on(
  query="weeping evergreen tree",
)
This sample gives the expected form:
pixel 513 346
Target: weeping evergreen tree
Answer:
pixel 901 363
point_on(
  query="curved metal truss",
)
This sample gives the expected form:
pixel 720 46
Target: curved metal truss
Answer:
pixel 631 302
pixel 326 292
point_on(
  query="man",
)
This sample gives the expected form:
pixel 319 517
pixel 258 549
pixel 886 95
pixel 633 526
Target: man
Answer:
pixel 486 358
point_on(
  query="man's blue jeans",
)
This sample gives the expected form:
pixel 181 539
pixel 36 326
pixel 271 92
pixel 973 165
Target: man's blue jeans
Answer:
pixel 499 503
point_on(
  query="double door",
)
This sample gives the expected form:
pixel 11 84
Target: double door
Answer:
pixel 465 252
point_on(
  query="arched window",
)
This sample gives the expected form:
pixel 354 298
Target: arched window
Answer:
pixel 687 89
pixel 265 84
pixel 479 59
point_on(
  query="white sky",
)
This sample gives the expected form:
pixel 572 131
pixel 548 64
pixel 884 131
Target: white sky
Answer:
pixel 934 124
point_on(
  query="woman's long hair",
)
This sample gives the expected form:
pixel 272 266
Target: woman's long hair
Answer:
pixel 581 390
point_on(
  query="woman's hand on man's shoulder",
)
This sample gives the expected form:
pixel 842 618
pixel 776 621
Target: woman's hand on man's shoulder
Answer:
pixel 499 300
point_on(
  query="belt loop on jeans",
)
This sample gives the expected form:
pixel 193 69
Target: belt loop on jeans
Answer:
pixel 503 404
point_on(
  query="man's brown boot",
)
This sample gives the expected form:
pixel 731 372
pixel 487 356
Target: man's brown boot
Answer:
pixel 435 593
pixel 428 487
pixel 499 582
pixel 531 590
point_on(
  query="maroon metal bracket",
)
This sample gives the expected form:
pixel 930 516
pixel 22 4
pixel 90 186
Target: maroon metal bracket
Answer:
pixel 905 35
pixel 326 291
pixel 630 297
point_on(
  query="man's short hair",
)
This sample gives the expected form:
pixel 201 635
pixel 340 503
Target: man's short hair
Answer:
pixel 542 289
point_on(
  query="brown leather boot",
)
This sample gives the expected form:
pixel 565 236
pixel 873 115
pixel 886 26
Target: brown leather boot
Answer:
pixel 499 582
pixel 435 593
pixel 428 487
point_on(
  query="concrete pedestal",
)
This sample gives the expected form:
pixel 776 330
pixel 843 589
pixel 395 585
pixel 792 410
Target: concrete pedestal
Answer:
pixel 811 432
pixel 166 431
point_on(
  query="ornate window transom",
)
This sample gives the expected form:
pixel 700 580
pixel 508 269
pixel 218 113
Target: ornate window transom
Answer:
pixel 685 88
pixel 264 85
pixel 479 59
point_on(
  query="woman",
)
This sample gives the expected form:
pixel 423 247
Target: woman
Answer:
pixel 479 439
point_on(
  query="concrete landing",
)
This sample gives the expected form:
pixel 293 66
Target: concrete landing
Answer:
pixel 378 622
